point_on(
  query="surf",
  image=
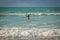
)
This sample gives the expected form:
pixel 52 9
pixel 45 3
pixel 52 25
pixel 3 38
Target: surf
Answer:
pixel 32 13
pixel 18 31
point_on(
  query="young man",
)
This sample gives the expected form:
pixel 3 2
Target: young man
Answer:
pixel 28 16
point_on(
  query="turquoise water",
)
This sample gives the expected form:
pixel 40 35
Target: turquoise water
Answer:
pixel 44 26
pixel 43 21
pixel 29 9
pixel 35 21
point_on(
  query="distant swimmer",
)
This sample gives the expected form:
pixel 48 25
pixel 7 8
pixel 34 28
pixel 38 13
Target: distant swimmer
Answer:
pixel 28 16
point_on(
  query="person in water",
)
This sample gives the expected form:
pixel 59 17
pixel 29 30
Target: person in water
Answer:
pixel 28 16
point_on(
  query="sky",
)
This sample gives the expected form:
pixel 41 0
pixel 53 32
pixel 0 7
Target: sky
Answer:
pixel 29 3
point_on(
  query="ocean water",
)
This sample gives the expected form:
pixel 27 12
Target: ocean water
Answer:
pixel 16 16
pixel 41 20
pixel 30 9
pixel 35 21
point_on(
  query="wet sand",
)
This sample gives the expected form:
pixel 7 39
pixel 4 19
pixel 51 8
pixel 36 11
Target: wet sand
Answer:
pixel 29 38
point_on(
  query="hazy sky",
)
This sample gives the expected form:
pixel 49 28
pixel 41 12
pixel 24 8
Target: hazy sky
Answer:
pixel 29 3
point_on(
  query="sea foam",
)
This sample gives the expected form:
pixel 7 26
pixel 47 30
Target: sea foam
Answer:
pixel 17 31
pixel 8 13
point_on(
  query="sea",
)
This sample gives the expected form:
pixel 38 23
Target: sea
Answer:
pixel 41 19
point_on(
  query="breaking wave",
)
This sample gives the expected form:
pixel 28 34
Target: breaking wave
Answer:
pixel 40 30
pixel 18 31
pixel 13 13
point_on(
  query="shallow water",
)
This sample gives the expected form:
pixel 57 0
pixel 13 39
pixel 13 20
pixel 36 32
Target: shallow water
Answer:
pixel 38 24
pixel 35 21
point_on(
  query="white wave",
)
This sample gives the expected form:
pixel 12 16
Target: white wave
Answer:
pixel 29 13
pixel 17 31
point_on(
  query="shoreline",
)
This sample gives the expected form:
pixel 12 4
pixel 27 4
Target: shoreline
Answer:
pixel 29 32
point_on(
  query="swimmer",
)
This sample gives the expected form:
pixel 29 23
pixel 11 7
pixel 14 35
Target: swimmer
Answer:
pixel 28 17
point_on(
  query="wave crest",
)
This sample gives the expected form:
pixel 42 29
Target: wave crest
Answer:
pixel 29 13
